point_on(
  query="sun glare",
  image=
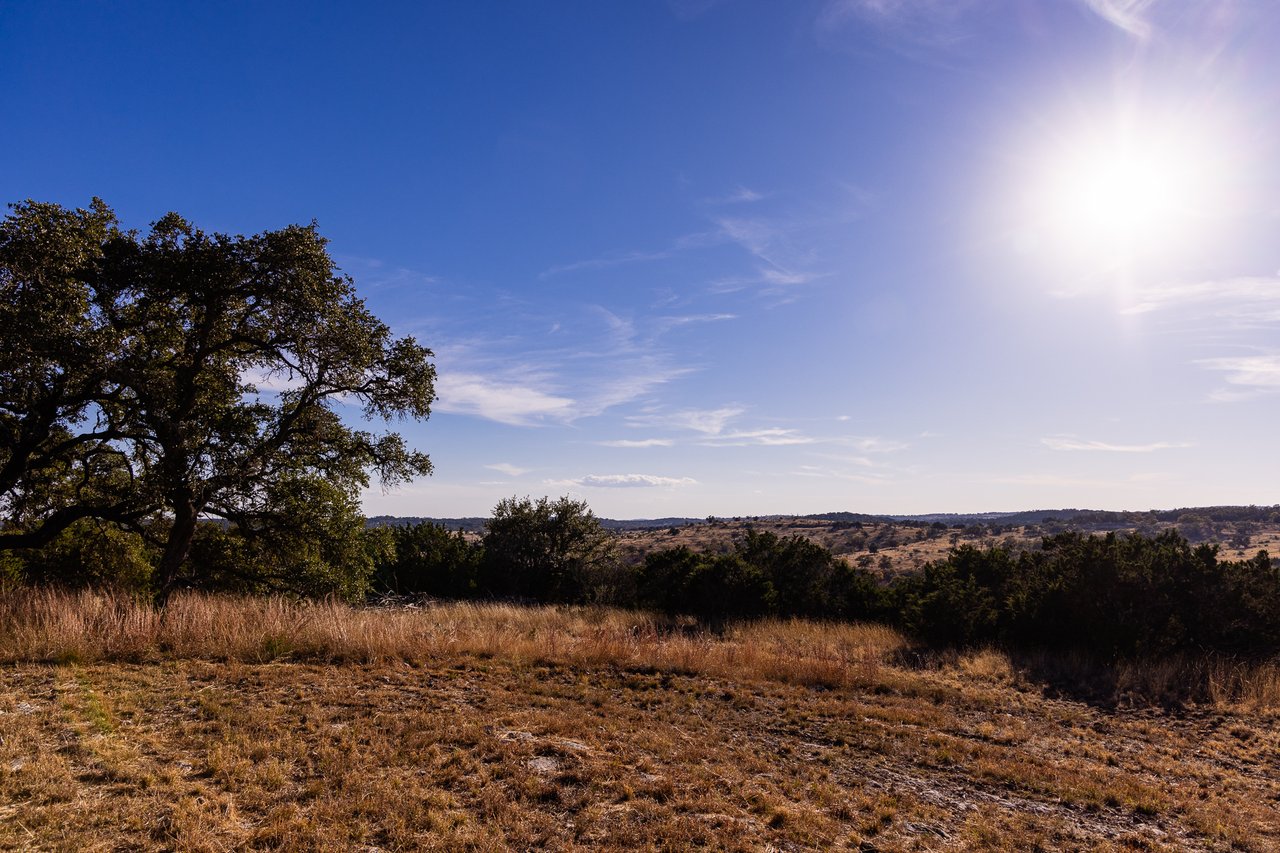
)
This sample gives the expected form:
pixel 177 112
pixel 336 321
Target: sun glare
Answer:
pixel 1116 194
pixel 1119 195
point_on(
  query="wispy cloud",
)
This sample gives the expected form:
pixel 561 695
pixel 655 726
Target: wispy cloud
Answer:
pixel 769 242
pixel 704 421
pixel 624 481
pixel 775 437
pixel 597 361
pixel 1069 443
pixel 941 23
pixel 720 427
pixel 498 400
pixel 1253 375
pixel 742 195
pixel 508 469
pixel 696 240
pixel 374 274
pixel 641 442
pixel 639 378
pixel 1053 481
pixel 875 444
pixel 1244 301
pixel 665 323
pixel 1244 310
pixel 826 473
pixel 605 262
pixel 1128 15
pixel 925 22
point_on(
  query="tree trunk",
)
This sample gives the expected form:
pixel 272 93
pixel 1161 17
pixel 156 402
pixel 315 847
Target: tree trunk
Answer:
pixel 183 531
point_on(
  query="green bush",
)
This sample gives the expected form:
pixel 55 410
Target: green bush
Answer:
pixel 428 559
pixel 764 575
pixel 1113 595
pixel 88 553
pixel 549 551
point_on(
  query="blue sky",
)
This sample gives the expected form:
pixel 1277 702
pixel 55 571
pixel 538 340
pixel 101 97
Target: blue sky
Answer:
pixel 735 258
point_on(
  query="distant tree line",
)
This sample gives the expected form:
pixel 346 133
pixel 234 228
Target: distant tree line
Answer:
pixel 1116 595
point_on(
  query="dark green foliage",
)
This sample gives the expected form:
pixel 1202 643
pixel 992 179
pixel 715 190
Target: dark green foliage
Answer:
pixel 550 551
pixel 952 600
pixel 88 553
pixel 764 575
pixel 428 559
pixel 1112 595
pixel 152 381
pixel 714 587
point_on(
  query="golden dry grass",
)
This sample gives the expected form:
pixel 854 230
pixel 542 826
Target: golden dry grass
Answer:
pixel 228 724
pixel 55 626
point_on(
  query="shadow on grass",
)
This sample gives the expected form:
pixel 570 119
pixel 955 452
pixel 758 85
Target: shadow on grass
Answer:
pixel 1172 684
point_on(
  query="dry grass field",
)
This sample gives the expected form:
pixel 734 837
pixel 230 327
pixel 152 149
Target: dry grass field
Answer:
pixel 227 724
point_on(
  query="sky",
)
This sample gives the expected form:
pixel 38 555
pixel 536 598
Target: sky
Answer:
pixel 735 257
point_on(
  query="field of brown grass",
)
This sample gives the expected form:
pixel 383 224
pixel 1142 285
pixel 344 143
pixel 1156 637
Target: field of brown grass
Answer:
pixel 228 724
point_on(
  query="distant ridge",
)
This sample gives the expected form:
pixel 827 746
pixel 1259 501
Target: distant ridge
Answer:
pixel 1079 517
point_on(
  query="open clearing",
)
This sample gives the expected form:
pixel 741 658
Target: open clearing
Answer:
pixel 562 734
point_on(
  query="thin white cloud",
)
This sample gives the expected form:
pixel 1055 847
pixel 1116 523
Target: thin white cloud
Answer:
pixel 718 428
pixel 1241 310
pixel 687 319
pixel 1068 443
pixel 820 472
pixel 768 242
pixel 605 262
pixel 686 242
pixel 775 437
pixel 705 421
pixel 1259 373
pixel 1128 15
pixel 499 400
pixel 754 235
pixel 641 442
pixel 861 461
pixel 624 481
pixel 742 195
pixel 508 469
pixel 786 278
pixel 925 22
pixel 1249 300
pixel 874 444
pixel 639 380
pixel 1053 480
pixel 940 23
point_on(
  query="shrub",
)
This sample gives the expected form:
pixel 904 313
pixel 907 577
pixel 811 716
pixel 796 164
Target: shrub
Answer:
pixel 545 551
pixel 428 559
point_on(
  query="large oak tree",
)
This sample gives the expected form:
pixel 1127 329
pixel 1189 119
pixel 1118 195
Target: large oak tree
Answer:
pixel 157 379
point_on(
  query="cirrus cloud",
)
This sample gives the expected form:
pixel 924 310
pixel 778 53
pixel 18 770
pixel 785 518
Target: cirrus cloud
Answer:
pixel 1066 442
pixel 625 481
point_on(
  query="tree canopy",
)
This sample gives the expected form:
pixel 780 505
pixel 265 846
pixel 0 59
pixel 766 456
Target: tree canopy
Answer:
pixel 153 380
pixel 548 551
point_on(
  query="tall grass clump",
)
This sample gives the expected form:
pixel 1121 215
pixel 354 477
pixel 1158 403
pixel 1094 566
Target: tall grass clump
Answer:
pixel 57 626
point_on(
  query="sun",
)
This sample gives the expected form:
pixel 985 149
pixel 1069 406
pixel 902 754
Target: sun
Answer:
pixel 1122 194
pixel 1125 191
